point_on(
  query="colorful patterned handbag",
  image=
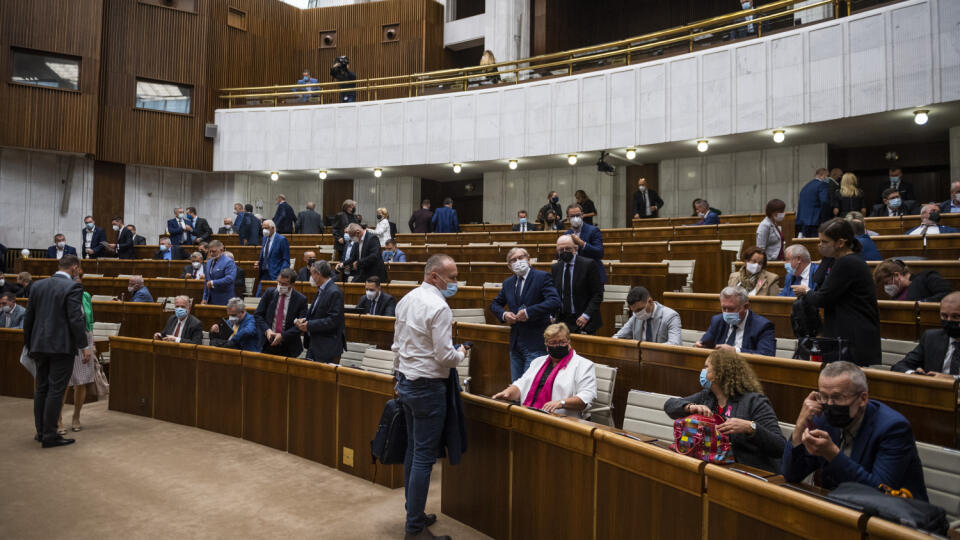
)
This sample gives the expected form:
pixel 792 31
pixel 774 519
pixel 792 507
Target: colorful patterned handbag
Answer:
pixel 697 436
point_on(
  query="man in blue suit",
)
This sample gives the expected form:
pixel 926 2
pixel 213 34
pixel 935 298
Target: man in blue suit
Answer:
pixel 323 327
pixel 800 270
pixel 738 328
pixel 242 328
pixel 249 227
pixel 525 303
pixel 93 239
pixel 284 216
pixel 952 205
pixel 179 227
pixel 60 247
pixel 868 251
pixel 588 238
pixel 810 204
pixel 138 290
pixel 220 274
pixel 849 437
pixel 445 218
pixel 707 215
pixel 274 254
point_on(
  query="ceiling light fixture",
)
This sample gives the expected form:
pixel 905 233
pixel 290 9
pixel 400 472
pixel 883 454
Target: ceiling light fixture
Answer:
pixel 921 116
pixel 779 135
pixel 323 175
pixel 703 145
pixel 457 168
pixel 274 176
pixel 572 159
pixel 512 164
pixel 378 172
pixel 631 153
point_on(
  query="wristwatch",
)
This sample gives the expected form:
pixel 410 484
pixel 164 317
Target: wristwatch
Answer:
pixel 753 427
pixel 563 404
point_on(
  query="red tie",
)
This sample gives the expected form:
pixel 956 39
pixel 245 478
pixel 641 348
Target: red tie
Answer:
pixel 278 319
pixel 176 331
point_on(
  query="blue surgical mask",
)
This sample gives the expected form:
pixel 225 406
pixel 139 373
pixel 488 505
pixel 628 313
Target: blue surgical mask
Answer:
pixel 745 5
pixel 346 237
pixel 895 203
pixel 555 200
pixel 90 225
pixel 180 312
pixel 163 247
pixel 182 215
pixel 704 381
pixel 894 179
pixel 731 318
pixel 523 220
pixel 450 290
pixel 788 268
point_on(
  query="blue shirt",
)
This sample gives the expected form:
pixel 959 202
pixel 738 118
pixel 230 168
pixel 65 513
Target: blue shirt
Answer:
pixel 389 256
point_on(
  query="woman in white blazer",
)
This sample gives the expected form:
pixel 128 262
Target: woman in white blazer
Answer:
pixel 769 235
pixel 383 226
pixel 561 382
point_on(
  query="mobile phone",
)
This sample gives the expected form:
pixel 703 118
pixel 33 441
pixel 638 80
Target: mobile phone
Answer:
pixel 467 344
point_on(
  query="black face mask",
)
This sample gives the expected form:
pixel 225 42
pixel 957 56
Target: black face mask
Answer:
pixel 566 256
pixel 311 261
pixel 837 416
pixel 952 328
pixel 559 352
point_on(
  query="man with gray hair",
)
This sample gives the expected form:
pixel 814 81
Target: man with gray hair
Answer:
pixel 707 215
pixel 239 331
pixel 426 361
pixel 848 437
pixel 322 328
pixel 526 301
pixel 800 270
pixel 138 291
pixel 274 252
pixel 737 328
pixel 220 276
pixel 284 216
pixel 182 327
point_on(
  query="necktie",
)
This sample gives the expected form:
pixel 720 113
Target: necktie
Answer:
pixel 235 327
pixel 176 331
pixel 567 290
pixel 519 288
pixel 732 338
pixel 373 307
pixel 646 204
pixel 278 319
pixel 796 279
pixel 649 332
pixel 955 359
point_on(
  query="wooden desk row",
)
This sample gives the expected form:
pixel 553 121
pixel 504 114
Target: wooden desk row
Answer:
pixel 147 268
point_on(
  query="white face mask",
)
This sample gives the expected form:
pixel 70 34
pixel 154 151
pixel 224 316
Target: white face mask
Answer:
pixel 520 266
pixel 7 309
pixel 196 264
pixel 701 214
pixel 371 295
pixel 313 282
pixel 576 222
pixel 266 232
pixel 233 318
pixel 643 314
pixel 641 189
pixel 780 216
pixel 131 289
pixel 753 268
pixel 891 289
pixel 116 227
pixel 283 289
pixel 61 245
pixel 2 281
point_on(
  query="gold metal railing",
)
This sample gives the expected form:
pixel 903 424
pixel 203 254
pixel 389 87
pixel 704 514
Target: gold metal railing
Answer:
pixel 622 52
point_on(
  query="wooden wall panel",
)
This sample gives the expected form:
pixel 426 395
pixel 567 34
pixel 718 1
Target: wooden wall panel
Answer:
pixel 47 118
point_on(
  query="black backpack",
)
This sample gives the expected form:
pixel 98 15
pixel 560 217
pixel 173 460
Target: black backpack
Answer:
pixel 908 512
pixel 389 445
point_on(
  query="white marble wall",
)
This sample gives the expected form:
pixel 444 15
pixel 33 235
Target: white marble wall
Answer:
pixel 955 153
pixel 739 183
pixel 504 193
pixel 896 57
pixel 32 203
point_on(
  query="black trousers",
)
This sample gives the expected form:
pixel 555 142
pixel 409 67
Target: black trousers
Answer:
pixel 571 321
pixel 53 374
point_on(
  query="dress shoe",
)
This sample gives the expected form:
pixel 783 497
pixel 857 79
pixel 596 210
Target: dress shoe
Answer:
pixel 424 534
pixel 430 519
pixel 59 441
pixel 38 438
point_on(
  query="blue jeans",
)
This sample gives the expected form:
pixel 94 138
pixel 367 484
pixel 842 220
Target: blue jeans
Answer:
pixel 520 360
pixel 425 409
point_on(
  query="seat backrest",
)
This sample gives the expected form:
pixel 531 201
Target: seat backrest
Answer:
pixel 941 474
pixel 644 414
pixel 92 275
pixel 124 276
pixel 248 285
pixel 689 337
pixel 893 350
pixel 351 359
pixel 354 346
pixel 732 245
pixel 787 430
pixel 206 338
pixel 606 378
pixel 100 297
pixel 786 347
pixel 378 361
pixel 615 293
pixel 403 282
pixel 492 285
pixel 103 330
pixel 471 315
pixel 251 301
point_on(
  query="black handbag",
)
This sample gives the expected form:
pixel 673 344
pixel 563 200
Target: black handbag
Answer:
pixel 389 445
pixel 905 511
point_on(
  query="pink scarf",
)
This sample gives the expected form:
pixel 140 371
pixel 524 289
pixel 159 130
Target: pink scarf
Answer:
pixel 546 393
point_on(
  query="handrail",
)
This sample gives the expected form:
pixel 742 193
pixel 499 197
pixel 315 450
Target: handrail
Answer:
pixel 459 78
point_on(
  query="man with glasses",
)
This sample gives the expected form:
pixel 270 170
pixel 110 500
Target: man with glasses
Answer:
pixel 938 353
pixel 651 320
pixel 525 303
pixel 848 437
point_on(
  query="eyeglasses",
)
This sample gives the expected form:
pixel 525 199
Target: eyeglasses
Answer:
pixel 836 399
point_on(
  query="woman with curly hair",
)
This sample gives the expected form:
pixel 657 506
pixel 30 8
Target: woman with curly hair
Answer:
pixel 731 389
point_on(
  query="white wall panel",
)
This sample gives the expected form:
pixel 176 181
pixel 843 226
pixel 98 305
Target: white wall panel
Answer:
pixel 653 104
pixel 566 116
pixel 512 121
pixel 488 125
pixel 684 99
pixel 623 108
pixel 392 130
pixel 717 94
pixel 824 77
pixel 867 64
pixel 593 112
pixel 439 126
pixel 465 131
pixel 947 50
pixel 912 60
pixel 750 87
pixel 537 126
pixel 786 80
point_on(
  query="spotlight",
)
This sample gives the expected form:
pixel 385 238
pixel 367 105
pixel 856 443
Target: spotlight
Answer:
pixel 378 172
pixel 603 166
pixel 512 164
pixel 572 159
pixel 779 135
pixel 457 168
pixel 703 145
pixel 631 153
pixel 274 176
pixel 920 117
pixel 323 175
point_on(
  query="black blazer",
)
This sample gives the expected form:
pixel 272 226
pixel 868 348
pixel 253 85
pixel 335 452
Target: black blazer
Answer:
pixel 201 230
pixel 531 226
pixel 386 305
pixel 929 354
pixel 927 286
pixel 372 263
pixel 139 240
pixel 96 243
pixel 587 289
pixel 54 322
pixel 189 272
pixel 421 221
pixel 267 310
pixel 325 339
pixel 125 244
pixel 309 222
pixel 652 197
pixel 192 329
pixel 303 275
pixel 176 254
pixel 240 283
pixel 764 448
pixel 907 208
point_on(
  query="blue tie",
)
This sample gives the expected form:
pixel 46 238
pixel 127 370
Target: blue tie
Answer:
pixel 649 325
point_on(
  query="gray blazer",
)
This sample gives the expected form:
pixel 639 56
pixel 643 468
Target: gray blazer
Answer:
pixel 309 222
pixel 768 238
pixel 16 317
pixel 764 448
pixel 664 324
pixel 54 323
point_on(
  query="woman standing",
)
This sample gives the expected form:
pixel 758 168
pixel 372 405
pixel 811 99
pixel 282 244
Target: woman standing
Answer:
pixel 589 209
pixel 753 277
pixel 383 226
pixel 488 59
pixel 84 369
pixel 769 233
pixel 851 196
pixel 848 294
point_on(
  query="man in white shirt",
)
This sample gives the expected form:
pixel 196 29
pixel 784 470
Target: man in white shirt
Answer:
pixel 930 222
pixel 424 355
pixel 651 320
pixel 182 327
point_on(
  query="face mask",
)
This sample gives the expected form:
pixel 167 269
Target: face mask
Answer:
pixel 952 328
pixel 641 189
pixel 891 289
pixel 379 217
pixel 283 289
pixel 61 245
pixel 702 214
pixel 2 282
pixel 116 227
pixel 576 222
pixel 894 203
pixel 565 257
pixel 704 381
pixel 7 309
pixel 894 179
pixel 266 232
pixel 745 5
pixel 555 200
pixel 837 416
pixel 180 312
pixel 131 289
pixel 560 351
pixel 182 215
pixel 346 238
pixel 313 282
pixel 311 261
pixel 827 250
pixel 642 315
pixel 523 220
pixel 90 225
pixel 163 247
pixel 753 268
pixel 196 264
pixel 520 266
pixel 788 268
pixel 233 318
pixel 780 216
pixel 956 197
pixel 731 318
pixel 371 295
pixel 451 289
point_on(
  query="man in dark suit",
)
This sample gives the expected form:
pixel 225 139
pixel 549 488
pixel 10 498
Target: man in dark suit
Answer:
pixel 523 223
pixel 930 222
pixel 169 252
pixel 309 257
pixel 588 239
pixel 309 221
pixel 738 328
pixel 813 197
pixel 893 205
pixel 137 239
pixel 227 227
pixel 445 218
pixel 284 217
pixel 421 219
pixel 275 253
pixel 182 327
pixel 901 184
pixel 365 259
pixel 279 307
pixel 938 353
pixel 581 290
pixel 847 437
pixel 123 246
pixel 11 314
pixel 323 325
pixel 54 330
pixel 249 228
pixel 525 302
pixel 60 247
pixel 707 214
pixel 93 239
pixel 646 202
pixel 952 205
pixel 179 228
pixel 553 203
pixel 375 301
pixel 201 229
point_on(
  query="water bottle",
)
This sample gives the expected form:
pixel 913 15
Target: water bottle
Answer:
pixel 815 354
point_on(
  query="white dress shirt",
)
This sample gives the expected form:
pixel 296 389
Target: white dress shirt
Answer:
pixel 578 378
pixel 423 335
pixel 383 231
pixel 919 231
pixel 87 239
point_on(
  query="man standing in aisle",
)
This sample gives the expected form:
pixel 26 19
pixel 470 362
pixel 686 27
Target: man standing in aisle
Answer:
pixel 813 197
pixel 284 217
pixel 424 358
pixel 445 218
